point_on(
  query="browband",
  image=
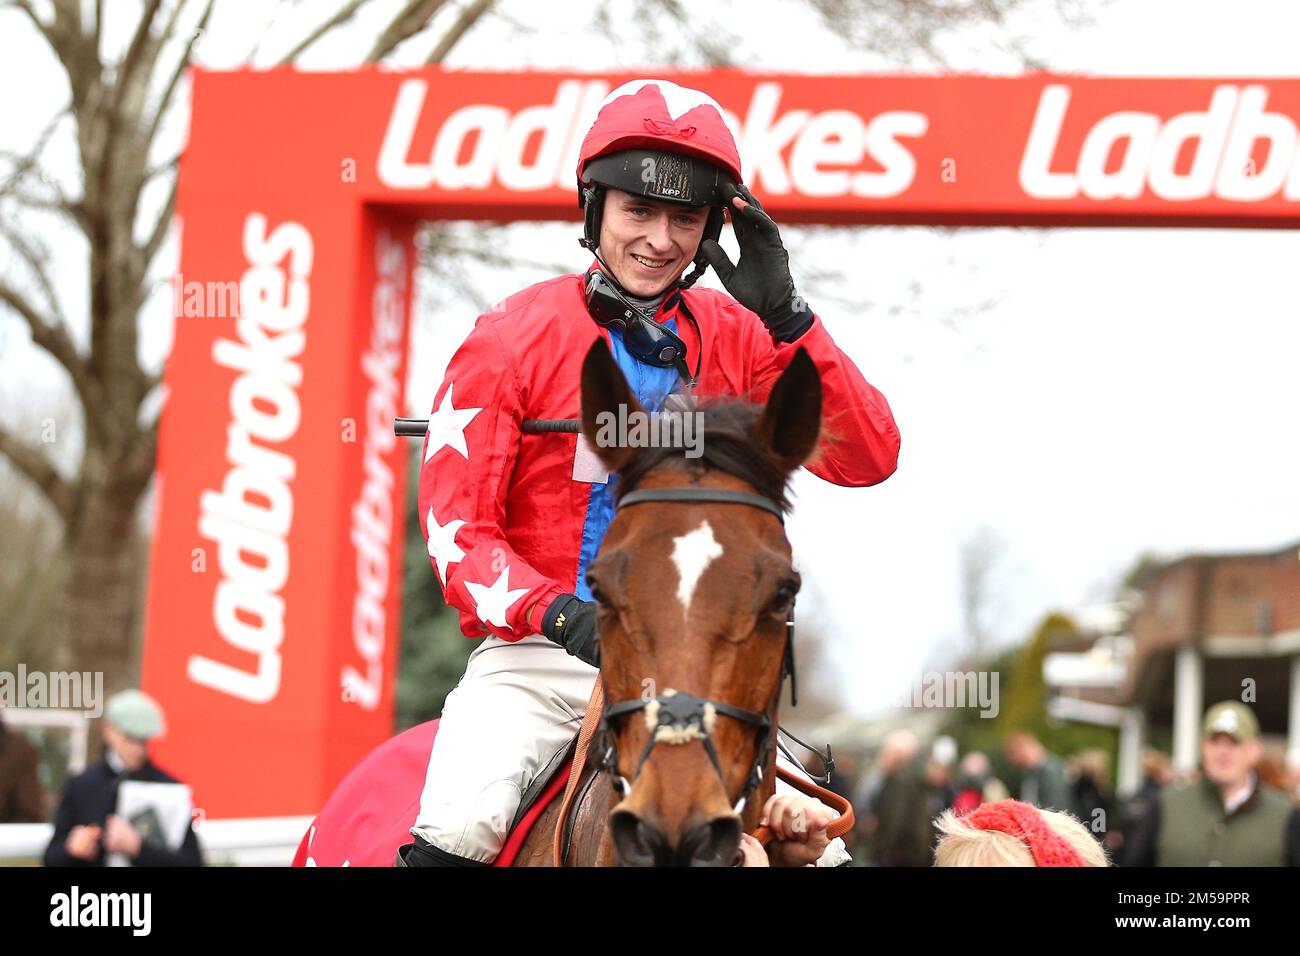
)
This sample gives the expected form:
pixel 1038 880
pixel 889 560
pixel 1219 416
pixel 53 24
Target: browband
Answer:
pixel 704 496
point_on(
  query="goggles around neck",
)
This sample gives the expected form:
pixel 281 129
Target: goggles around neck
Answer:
pixel 649 341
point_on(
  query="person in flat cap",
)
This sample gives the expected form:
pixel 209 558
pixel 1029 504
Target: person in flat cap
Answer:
pixel 86 826
pixel 1227 817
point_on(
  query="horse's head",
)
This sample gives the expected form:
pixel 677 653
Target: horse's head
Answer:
pixel 693 596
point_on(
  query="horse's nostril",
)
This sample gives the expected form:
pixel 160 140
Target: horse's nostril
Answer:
pixel 637 842
pixel 712 844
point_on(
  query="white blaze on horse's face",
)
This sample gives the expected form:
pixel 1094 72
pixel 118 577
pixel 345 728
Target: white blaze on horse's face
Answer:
pixel 692 553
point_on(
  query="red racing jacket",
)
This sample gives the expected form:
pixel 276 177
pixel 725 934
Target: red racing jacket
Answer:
pixel 512 518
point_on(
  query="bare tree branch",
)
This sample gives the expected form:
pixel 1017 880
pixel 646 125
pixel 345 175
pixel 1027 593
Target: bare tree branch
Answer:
pixel 143 457
pixel 713 47
pixel 24 164
pixel 181 65
pixel 36 261
pixel 172 20
pixel 135 53
pixel 46 333
pixel 468 17
pixel 148 381
pixel 412 18
pixel 70 11
pixel 159 231
pixel 170 166
pixel 344 14
pixel 26 7
pixel 74 210
pixel 40 471
pixel 54 339
pixel 75 50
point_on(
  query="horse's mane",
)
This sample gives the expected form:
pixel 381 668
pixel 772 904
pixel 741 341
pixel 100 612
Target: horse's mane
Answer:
pixel 726 444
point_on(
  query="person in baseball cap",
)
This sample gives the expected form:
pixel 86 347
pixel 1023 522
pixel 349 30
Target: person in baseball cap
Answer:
pixel 1227 817
pixel 86 825
pixel 1232 718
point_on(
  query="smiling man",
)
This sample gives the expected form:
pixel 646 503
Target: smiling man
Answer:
pixel 513 519
pixel 648 242
pixel 1226 818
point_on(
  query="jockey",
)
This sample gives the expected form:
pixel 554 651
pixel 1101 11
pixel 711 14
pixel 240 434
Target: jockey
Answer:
pixel 513 519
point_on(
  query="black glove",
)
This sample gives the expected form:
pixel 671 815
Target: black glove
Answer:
pixel 761 281
pixel 571 623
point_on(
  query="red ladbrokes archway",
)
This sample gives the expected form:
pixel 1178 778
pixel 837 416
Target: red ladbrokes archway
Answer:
pixel 271 638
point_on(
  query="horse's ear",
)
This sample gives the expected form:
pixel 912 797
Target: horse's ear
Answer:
pixel 792 418
pixel 604 392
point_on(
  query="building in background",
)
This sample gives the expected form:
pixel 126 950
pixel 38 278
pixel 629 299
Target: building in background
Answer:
pixel 1206 627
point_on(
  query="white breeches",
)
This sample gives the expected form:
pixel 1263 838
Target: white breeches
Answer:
pixel 515 708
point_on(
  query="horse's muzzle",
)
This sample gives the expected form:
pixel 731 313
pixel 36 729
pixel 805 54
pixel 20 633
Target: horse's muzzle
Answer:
pixel 639 842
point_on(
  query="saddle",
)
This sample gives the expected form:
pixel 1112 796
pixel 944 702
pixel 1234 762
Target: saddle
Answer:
pixel 562 774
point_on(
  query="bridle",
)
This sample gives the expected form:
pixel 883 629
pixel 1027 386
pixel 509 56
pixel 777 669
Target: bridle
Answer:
pixel 674 717
pixel 679 717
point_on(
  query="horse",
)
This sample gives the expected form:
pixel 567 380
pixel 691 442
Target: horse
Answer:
pixel 694 588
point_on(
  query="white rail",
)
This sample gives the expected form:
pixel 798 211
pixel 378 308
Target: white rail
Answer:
pixel 250 841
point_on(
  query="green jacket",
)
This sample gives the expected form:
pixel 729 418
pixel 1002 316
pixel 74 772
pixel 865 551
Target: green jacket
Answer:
pixel 1195 830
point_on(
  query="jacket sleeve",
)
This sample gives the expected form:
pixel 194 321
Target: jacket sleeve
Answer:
pixel 469 457
pixel 56 854
pixel 859 440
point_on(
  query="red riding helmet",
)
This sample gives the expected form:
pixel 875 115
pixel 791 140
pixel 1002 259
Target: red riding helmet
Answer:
pixel 656 139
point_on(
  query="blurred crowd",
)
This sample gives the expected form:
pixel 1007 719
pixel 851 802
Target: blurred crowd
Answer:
pixel 1240 807
pixel 915 806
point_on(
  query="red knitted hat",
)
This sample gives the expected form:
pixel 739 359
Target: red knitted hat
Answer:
pixel 1026 824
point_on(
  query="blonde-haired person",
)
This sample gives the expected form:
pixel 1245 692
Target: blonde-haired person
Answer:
pixel 1011 833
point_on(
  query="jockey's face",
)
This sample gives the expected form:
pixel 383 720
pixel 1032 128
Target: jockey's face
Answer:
pixel 649 244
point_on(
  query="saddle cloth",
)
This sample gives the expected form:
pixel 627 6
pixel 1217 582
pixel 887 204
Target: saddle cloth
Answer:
pixel 371 812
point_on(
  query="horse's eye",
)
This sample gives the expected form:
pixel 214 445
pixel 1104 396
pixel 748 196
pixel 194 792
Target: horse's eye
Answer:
pixel 596 594
pixel 784 597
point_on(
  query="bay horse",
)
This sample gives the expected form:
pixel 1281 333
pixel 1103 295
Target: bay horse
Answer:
pixel 694 588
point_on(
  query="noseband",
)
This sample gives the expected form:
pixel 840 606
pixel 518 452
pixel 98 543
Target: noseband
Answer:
pixel 674 717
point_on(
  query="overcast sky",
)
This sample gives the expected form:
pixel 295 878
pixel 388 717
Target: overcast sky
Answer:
pixel 1086 394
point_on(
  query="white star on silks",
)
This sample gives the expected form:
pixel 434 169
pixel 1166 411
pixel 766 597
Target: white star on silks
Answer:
pixel 442 545
pixel 447 427
pixel 492 603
